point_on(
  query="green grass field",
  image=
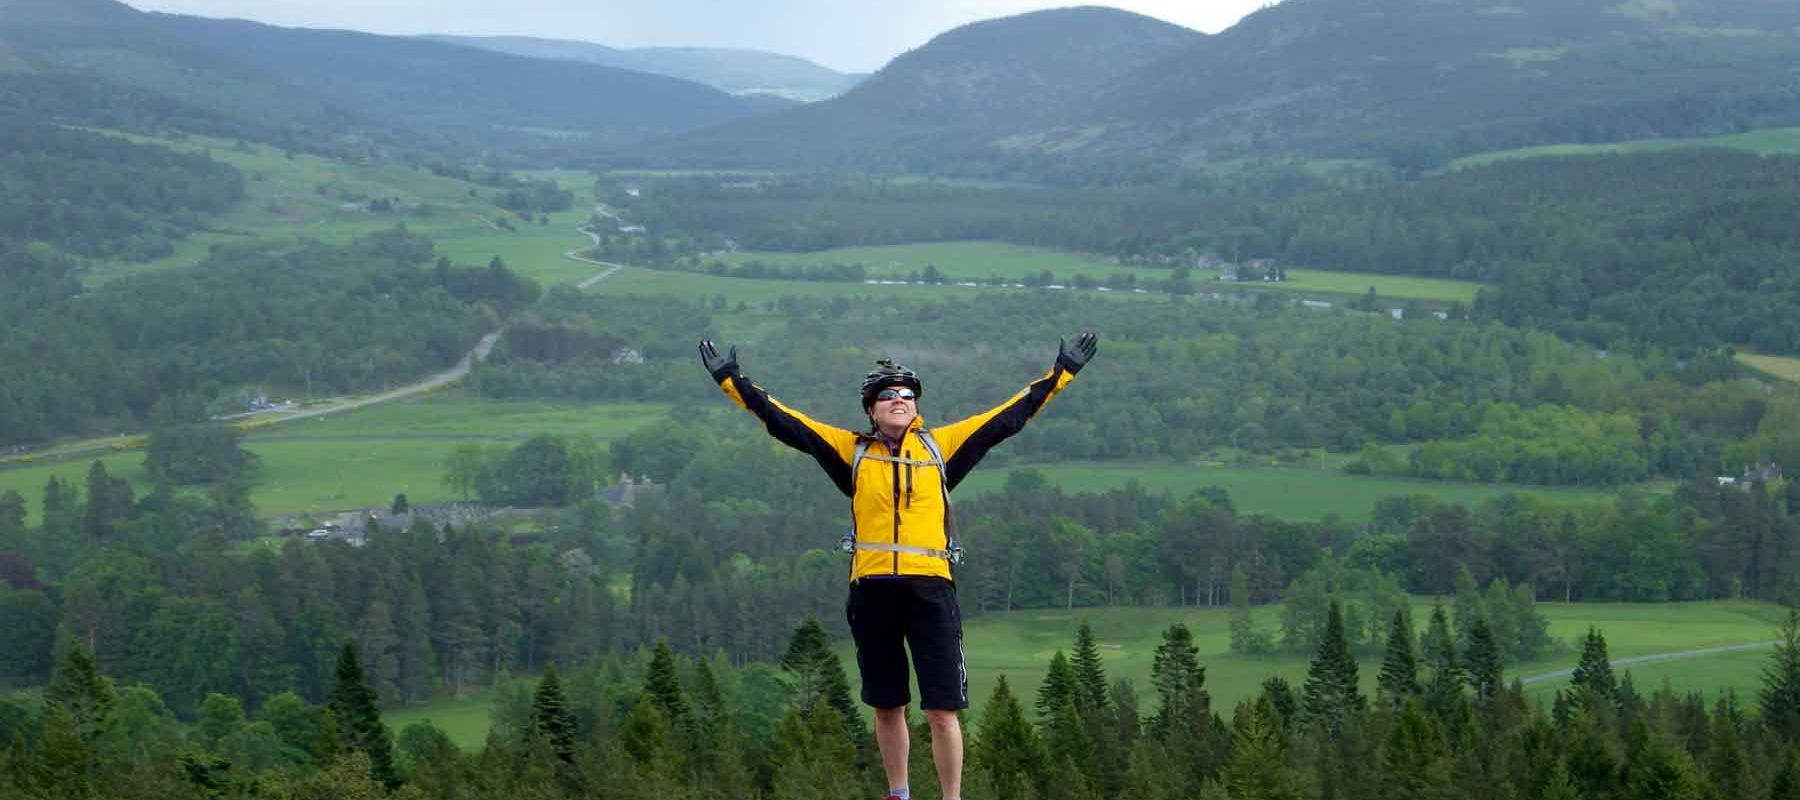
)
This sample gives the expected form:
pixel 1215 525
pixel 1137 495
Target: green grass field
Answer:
pixel 1019 646
pixel 362 459
pixel 1771 141
pixel 1783 367
pixel 987 261
pixel 463 719
pixel 303 197
pixel 1387 287
pixel 1287 493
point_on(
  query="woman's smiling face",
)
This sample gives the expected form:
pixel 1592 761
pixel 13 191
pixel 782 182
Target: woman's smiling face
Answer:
pixel 894 410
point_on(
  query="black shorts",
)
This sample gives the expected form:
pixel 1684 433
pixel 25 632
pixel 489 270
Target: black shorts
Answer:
pixel 921 612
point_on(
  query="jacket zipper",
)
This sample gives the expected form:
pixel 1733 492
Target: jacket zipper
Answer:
pixel 894 451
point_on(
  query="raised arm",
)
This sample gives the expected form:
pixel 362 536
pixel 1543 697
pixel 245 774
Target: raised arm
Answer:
pixel 831 446
pixel 965 441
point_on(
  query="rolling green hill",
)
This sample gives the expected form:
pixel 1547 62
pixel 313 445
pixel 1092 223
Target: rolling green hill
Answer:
pixel 728 69
pixel 963 89
pixel 1412 82
pixel 339 91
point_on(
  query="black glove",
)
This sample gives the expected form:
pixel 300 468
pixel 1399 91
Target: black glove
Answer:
pixel 720 367
pixel 1076 357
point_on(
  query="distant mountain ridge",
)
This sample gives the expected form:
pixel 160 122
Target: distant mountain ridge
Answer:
pixel 1412 82
pixel 341 88
pixel 961 90
pixel 733 70
pixel 1306 72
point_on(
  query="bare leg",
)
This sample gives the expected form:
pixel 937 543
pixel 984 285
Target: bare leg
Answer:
pixel 891 737
pixel 946 749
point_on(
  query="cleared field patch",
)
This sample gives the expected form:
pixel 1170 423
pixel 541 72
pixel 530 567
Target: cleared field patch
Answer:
pixel 969 261
pixel 997 261
pixel 28 478
pixel 1783 367
pixel 1387 287
pixel 361 459
pixel 641 281
pixel 1286 493
pixel 290 198
pixel 1769 141
pixel 464 719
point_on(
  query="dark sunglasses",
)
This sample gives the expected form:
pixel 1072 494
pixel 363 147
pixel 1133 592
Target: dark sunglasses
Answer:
pixel 892 394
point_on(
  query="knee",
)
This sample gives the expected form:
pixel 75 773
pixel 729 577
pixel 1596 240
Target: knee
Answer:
pixel 890 714
pixel 940 719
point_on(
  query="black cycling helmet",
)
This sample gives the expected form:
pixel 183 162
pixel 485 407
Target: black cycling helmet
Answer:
pixel 887 373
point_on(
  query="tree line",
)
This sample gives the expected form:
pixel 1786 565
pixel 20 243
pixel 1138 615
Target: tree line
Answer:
pixel 723 558
pixel 1442 722
pixel 172 348
pixel 1684 248
pixel 1435 399
pixel 101 196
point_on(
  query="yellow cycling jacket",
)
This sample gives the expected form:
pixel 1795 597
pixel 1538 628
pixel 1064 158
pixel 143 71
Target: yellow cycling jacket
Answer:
pixel 899 501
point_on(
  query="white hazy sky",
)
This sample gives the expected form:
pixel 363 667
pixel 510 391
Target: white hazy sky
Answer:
pixel 847 35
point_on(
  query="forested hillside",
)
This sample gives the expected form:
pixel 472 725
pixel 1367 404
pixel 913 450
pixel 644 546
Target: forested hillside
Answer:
pixel 165 348
pixel 944 101
pixel 1411 83
pixel 733 70
pixel 99 196
pixel 1688 249
pixel 334 92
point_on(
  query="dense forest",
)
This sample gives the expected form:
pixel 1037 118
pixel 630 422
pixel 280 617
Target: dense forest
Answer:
pixel 1686 249
pixel 1440 399
pixel 164 348
pixel 1442 722
pixel 101 196
pixel 724 558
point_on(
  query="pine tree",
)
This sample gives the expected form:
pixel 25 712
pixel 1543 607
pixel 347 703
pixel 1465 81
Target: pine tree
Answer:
pixel 359 720
pixel 1090 675
pixel 1780 693
pixel 1330 694
pixel 1180 684
pixel 1484 662
pixel 1593 675
pixel 1727 764
pixel 1280 695
pixel 551 718
pixel 813 759
pixel 78 688
pixel 1445 691
pixel 1415 762
pixel 817 679
pixel 328 743
pixel 1258 767
pixel 664 687
pixel 1057 689
pixel 1786 785
pixel 1660 770
pixel 1399 679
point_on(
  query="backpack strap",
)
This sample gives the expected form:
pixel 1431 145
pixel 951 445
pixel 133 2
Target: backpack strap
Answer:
pixel 952 552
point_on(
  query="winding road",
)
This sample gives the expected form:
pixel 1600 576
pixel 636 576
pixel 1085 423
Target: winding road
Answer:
pixel 453 374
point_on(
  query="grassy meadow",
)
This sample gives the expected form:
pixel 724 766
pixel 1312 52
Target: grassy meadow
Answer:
pixel 992 261
pixel 1786 368
pixel 1769 141
pixel 362 459
pixel 1283 492
pixel 1019 645
pixel 289 198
